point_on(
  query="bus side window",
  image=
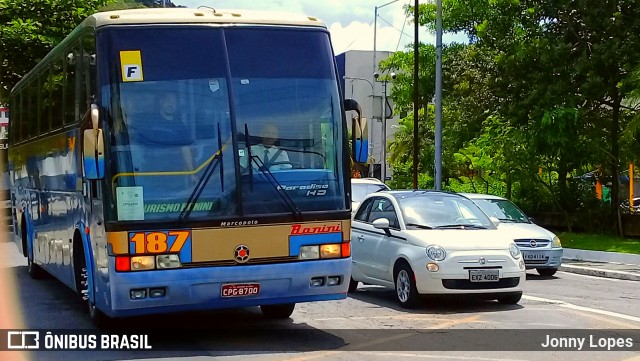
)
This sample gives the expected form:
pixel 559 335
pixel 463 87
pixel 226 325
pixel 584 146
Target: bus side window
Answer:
pixel 88 69
pixel 58 107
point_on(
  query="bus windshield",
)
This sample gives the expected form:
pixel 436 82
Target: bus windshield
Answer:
pixel 235 121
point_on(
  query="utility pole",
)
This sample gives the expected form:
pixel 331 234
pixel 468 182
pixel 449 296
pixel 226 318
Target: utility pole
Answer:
pixel 384 132
pixel 383 163
pixel 416 58
pixel 438 140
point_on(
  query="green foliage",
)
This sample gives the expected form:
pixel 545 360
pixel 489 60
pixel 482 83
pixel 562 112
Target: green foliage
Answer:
pixel 122 4
pixel 541 85
pixel 30 29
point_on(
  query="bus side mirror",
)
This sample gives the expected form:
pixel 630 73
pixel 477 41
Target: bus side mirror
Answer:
pixel 93 154
pixel 359 133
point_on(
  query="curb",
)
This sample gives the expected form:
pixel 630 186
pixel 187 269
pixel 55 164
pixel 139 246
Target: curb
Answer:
pixel 598 272
pixel 600 256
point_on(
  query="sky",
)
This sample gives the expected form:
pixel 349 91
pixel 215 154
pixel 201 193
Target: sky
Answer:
pixel 350 22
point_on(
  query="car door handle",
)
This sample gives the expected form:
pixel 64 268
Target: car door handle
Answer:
pixel 360 238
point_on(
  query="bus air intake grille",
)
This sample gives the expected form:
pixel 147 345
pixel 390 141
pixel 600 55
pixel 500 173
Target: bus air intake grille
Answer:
pixel 234 263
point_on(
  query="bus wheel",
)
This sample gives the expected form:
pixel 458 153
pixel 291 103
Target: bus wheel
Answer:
pixel 278 311
pixel 98 318
pixel 353 285
pixel 35 271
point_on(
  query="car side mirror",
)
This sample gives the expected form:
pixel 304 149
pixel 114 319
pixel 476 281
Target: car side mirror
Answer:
pixel 495 221
pixel 382 223
pixel 532 220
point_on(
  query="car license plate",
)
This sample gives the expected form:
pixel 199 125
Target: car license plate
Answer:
pixel 485 275
pixel 536 256
pixel 239 289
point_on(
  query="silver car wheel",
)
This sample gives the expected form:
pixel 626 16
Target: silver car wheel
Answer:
pixel 403 286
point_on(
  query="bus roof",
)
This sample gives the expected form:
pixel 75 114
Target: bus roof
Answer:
pixel 202 15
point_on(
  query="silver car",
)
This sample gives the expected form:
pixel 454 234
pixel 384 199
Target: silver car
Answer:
pixel 429 243
pixel 360 187
pixel 541 248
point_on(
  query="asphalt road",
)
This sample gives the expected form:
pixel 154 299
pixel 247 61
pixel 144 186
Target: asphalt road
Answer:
pixel 366 326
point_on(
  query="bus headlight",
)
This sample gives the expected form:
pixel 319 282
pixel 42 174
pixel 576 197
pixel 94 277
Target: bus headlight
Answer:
pixel 556 242
pixel 514 250
pixel 333 250
pixel 309 252
pixel 142 263
pixel 165 261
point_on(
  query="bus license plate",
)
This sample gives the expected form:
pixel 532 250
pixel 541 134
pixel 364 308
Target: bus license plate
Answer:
pixel 240 289
pixel 484 275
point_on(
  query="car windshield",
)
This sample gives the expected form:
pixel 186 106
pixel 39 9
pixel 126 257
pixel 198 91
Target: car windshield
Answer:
pixel 360 190
pixel 502 209
pixel 441 210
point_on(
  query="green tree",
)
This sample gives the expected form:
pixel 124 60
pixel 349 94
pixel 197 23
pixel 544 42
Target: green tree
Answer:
pixel 561 72
pixel 30 29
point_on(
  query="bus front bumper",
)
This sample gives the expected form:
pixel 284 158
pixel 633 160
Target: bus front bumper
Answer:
pixel 190 289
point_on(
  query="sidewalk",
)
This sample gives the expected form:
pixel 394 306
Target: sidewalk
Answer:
pixel 601 264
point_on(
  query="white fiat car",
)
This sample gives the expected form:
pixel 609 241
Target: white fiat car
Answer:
pixel 360 187
pixel 541 249
pixel 433 243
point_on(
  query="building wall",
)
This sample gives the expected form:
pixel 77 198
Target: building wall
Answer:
pixel 359 64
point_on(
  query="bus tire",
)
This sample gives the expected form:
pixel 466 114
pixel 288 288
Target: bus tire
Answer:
pixel 98 318
pixel 35 271
pixel 278 311
pixel 353 285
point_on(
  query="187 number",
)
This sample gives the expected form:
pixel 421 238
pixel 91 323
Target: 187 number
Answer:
pixel 158 242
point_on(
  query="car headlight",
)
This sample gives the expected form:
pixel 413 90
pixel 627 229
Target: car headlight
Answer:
pixel 556 242
pixel 436 253
pixel 514 250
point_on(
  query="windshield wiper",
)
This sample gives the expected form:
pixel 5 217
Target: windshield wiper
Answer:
pixel 462 226
pixel 508 220
pixel 277 186
pixel 421 226
pixel 202 182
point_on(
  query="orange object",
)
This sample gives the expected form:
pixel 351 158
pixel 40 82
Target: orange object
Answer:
pixel 598 189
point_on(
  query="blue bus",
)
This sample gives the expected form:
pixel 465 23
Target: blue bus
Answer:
pixel 139 169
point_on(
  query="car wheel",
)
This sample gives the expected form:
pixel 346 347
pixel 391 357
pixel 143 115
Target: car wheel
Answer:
pixel 278 311
pixel 511 299
pixel 547 272
pixel 406 291
pixel 353 285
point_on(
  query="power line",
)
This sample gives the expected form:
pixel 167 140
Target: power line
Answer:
pixel 354 40
pixel 391 25
pixel 401 32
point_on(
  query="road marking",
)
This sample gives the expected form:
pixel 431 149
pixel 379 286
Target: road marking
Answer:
pixel 311 357
pixel 439 357
pixel 392 338
pixel 634 358
pixel 581 308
